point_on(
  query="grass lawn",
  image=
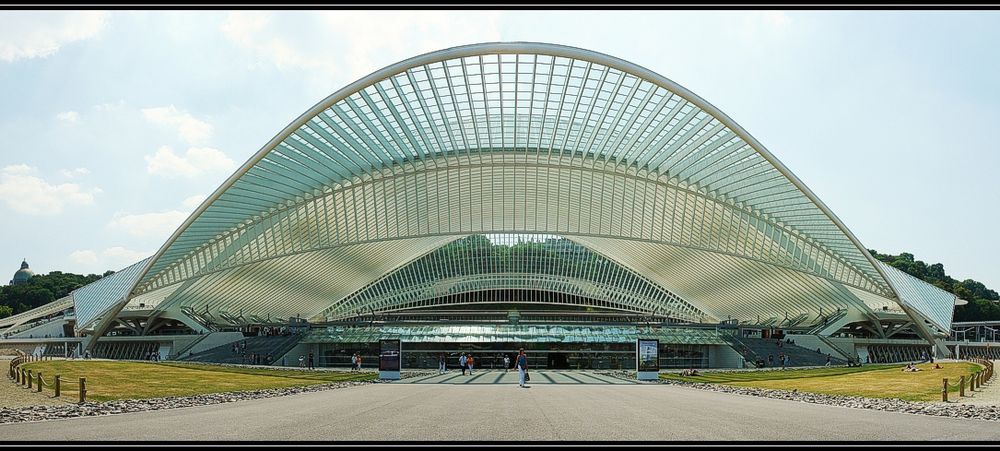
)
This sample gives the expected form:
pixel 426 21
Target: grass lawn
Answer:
pixel 874 381
pixel 136 380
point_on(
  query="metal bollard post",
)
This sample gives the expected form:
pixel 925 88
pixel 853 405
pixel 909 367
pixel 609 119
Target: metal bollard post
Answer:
pixel 944 390
pixel 83 390
pixel 961 387
pixel 57 386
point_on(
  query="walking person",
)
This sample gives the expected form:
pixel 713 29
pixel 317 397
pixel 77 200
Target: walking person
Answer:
pixel 522 368
pixel 462 360
pixel 354 362
pixel 311 365
pixel 360 359
pixel 506 363
pixel 471 361
pixel 442 367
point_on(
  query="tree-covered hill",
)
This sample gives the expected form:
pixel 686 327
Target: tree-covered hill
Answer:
pixel 41 290
pixel 982 304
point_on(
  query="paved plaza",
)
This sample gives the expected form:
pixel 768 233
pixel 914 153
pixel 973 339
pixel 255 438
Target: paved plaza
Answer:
pixel 424 410
pixel 544 377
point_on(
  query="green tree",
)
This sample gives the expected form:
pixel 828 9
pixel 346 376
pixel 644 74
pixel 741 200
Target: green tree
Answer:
pixel 982 304
pixel 42 289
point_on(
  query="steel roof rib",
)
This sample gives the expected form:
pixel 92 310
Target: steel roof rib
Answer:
pixel 612 153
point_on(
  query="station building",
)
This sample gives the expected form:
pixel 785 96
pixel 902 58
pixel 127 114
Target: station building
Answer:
pixel 495 196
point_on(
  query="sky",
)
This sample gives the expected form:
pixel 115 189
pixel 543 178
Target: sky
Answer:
pixel 117 125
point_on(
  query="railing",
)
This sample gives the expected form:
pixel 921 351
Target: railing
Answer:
pixel 837 350
pixel 975 380
pixel 741 348
pixel 835 316
pixel 36 382
pixel 176 354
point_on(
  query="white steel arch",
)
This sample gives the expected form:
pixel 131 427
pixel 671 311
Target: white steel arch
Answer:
pixel 513 138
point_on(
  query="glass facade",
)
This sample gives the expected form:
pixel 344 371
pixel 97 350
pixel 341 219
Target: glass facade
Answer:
pixel 551 346
pixel 649 200
pixel 537 267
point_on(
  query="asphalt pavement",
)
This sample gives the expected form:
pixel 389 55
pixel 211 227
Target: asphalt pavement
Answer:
pixel 488 412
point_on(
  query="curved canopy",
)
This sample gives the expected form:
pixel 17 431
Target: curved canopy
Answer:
pixel 515 138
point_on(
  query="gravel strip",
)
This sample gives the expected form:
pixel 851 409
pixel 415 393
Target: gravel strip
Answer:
pixel 14 396
pixel 956 410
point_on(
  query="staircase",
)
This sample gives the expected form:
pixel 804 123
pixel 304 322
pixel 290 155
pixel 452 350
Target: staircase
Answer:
pixel 830 324
pixel 264 346
pixel 749 356
pixel 758 349
pixel 58 349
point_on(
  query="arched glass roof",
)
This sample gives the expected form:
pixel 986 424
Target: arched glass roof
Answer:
pixel 517 138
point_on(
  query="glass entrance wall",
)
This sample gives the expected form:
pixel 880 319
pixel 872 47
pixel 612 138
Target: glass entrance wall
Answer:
pixel 515 333
pixel 540 355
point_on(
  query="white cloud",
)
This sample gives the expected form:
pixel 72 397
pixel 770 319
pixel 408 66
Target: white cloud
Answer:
pixel 196 161
pixel 71 117
pixel 109 106
pixel 158 225
pixel 192 131
pixel 18 169
pixel 37 34
pixel 194 201
pixel 73 173
pixel 149 225
pixel 26 193
pixel 84 257
pixel 113 258
pixel 125 256
pixel 336 46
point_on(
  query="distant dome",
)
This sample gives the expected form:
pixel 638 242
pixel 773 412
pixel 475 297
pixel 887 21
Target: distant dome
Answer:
pixel 22 275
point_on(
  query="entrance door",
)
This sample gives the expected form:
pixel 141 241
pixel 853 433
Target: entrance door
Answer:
pixel 558 361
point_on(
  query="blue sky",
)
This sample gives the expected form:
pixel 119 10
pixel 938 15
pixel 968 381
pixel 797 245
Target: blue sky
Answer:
pixel 116 125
